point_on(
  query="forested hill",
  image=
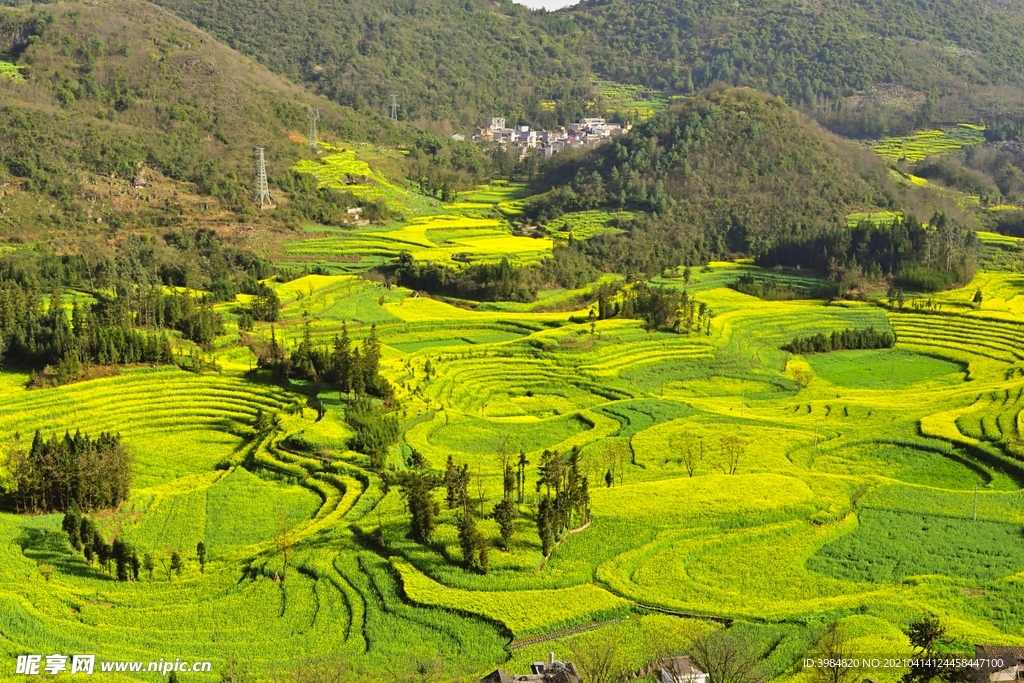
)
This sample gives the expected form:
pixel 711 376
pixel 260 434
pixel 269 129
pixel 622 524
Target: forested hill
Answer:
pixel 731 172
pixel 444 59
pixel 904 62
pixel 746 166
pixel 957 56
pixel 109 92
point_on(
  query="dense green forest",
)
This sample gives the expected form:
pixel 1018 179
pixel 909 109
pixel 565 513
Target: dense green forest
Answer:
pixel 939 256
pixel 958 57
pixel 445 59
pixel 462 60
pixel 705 181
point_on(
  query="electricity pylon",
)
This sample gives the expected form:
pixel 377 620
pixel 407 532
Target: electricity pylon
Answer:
pixel 262 188
pixel 394 107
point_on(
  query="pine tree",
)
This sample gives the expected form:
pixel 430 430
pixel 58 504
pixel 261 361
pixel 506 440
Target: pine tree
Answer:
pixel 451 483
pixel 523 462
pixel 545 525
pixel 176 562
pixel 505 514
pixel 416 490
pixel 148 564
pixel 201 556
pixel 469 540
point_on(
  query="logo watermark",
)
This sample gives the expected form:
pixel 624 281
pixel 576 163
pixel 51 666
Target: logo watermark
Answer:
pixel 34 665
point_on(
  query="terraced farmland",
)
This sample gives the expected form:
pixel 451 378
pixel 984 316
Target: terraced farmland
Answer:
pixel 842 458
pixel 11 70
pixel 919 146
pixel 631 102
pixel 342 169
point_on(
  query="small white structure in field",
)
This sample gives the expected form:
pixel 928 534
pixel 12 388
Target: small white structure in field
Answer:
pixel 681 670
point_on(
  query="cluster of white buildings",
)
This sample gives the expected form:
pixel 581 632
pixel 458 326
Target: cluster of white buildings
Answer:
pixel 585 132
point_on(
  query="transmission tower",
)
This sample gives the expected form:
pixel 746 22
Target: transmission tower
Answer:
pixel 313 115
pixel 394 107
pixel 262 188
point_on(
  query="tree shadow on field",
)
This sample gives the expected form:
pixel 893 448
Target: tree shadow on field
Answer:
pixel 53 548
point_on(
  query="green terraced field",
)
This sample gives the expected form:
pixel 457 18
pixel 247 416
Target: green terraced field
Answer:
pixel 473 229
pixel 853 498
pixel 631 102
pixel 923 144
pixel 583 225
pixel 11 70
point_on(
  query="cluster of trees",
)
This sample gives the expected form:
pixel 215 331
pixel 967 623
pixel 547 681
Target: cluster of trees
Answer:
pixel 131 310
pixel 775 289
pixel 153 308
pixel 37 335
pixel 481 282
pixel 55 472
pixel 265 306
pixel 567 268
pixel 845 340
pixel 416 489
pixel 663 307
pixel 472 543
pixel 118 558
pixel 566 499
pixel 691 455
pixel 376 428
pixel 350 368
pixel 929 257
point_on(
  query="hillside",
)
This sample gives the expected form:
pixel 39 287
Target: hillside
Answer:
pixel 732 172
pixel 864 66
pixel 857 62
pixel 107 93
pixel 444 59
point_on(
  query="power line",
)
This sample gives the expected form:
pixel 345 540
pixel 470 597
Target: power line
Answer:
pixel 313 115
pixel 262 188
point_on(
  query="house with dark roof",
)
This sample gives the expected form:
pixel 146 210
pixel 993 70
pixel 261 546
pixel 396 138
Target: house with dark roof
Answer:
pixel 551 671
pixel 1002 663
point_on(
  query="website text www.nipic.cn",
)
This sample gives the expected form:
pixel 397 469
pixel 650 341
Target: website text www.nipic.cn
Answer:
pixel 33 665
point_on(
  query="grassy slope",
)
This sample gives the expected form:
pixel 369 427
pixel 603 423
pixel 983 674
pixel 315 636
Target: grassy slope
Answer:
pixel 109 87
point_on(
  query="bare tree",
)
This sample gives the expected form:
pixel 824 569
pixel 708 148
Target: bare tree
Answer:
pixel 732 451
pixel 599 657
pixel 480 489
pixel 165 564
pixel 690 457
pixel 414 670
pixel 285 541
pixel 726 658
pixel 317 671
pixel 615 455
pixel 835 653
